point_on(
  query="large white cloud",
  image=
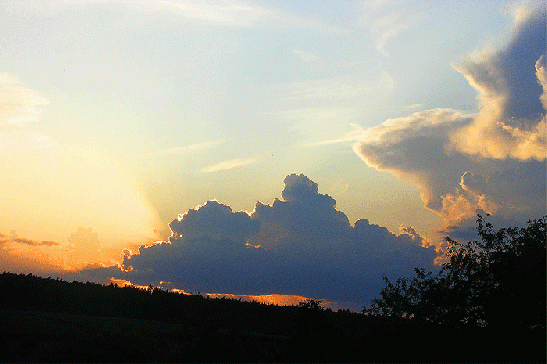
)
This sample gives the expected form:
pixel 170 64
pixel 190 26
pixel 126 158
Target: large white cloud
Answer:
pixel 299 245
pixel 493 161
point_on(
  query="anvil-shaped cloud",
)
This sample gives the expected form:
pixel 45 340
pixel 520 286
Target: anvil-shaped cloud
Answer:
pixel 493 161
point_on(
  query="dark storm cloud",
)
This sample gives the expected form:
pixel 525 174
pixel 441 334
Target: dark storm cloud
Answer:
pixel 299 245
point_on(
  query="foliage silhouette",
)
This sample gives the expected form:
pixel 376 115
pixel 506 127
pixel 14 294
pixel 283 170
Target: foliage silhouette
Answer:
pixel 498 282
pixel 311 304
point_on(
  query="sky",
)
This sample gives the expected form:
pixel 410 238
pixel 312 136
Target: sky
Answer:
pixel 254 147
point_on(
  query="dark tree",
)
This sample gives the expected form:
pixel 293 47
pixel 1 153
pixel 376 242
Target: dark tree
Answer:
pixel 311 304
pixel 498 281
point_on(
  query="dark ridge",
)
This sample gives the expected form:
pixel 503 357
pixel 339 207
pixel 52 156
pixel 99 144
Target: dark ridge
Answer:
pixel 51 320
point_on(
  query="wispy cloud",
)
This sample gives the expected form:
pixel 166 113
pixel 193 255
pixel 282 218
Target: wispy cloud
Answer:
pixel 387 19
pixel 232 13
pixel 19 107
pixel 335 88
pixel 414 106
pixel 315 123
pixel 15 239
pixel 238 13
pixel 354 135
pixel 235 13
pixel 306 56
pixel 18 103
pixel 321 108
pixel 233 163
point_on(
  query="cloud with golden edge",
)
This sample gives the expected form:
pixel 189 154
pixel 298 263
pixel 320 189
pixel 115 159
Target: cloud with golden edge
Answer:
pixel 300 245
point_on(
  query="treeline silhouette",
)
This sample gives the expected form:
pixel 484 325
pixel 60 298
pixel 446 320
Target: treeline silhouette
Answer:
pixel 486 305
pixel 196 328
pixel 497 281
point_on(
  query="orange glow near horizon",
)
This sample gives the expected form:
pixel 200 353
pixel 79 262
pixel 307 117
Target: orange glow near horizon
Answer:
pixel 68 208
pixel 270 299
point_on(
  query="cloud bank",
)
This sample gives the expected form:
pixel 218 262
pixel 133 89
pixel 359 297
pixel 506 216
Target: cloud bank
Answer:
pixel 298 245
pixel 493 161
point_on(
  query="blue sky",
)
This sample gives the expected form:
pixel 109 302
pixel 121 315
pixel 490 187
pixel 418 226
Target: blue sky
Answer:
pixel 120 115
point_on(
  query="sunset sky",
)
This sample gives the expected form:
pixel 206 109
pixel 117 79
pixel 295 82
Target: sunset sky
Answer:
pixel 117 117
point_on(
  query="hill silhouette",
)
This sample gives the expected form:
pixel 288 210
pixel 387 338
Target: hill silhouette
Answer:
pixel 47 319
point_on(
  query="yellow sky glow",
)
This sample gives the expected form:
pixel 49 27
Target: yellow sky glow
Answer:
pixel 50 193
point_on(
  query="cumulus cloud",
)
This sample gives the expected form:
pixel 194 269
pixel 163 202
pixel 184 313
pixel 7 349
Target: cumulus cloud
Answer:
pixel 299 245
pixel 84 238
pixel 83 248
pixel 213 220
pixel 490 162
pixel 541 74
pixel 416 149
pixel 511 90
